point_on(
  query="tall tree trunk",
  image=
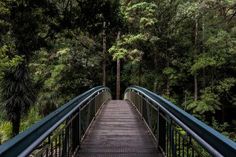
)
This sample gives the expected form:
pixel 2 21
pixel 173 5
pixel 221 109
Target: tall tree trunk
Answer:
pixel 139 74
pixel 15 124
pixel 118 79
pixel 203 49
pixel 168 79
pixel 104 49
pixel 195 55
pixel 155 65
pixel 118 74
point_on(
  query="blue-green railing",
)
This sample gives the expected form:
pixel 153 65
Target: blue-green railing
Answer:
pixel 176 132
pixel 59 133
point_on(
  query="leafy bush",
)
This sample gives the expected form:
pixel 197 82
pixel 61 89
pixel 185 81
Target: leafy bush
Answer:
pixel 5 131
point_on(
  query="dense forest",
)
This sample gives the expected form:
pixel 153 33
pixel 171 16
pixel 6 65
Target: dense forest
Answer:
pixel 53 50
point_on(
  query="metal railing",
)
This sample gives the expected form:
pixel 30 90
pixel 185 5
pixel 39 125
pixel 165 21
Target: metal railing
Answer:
pixel 59 133
pixel 176 132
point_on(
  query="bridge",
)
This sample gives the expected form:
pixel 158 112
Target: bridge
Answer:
pixel 143 124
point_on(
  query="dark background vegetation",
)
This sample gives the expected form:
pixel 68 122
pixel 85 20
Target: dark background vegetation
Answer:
pixel 53 50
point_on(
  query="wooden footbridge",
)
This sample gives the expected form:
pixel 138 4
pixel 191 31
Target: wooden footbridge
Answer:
pixel 118 131
pixel 142 125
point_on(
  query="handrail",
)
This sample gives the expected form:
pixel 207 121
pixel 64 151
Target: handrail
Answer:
pixel 214 142
pixel 25 142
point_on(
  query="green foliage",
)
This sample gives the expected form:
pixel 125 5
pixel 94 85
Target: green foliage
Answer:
pixel 174 50
pixel 5 131
pixel 226 85
pixel 56 49
pixel 220 127
pixel 7 62
pixel 208 103
pixel 118 53
pixel 49 46
pixel 141 14
pixel 125 48
pixel 32 117
pixel 171 74
pixel 202 62
pixel 63 72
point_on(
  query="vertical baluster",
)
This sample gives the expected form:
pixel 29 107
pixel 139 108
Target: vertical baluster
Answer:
pixel 188 144
pixel 69 139
pixel 192 146
pixel 175 137
pixel 158 127
pixel 148 115
pixel 162 131
pixel 79 132
pixel 88 115
pixel 55 149
pixel 60 144
pixel 179 147
pixel 73 133
pixel 93 109
pixel 183 146
pixel 47 147
pixel 51 146
pixel 193 152
pixel 172 136
pixel 64 149
pixel 141 107
pixel 47 152
pixel 167 138
pixel 95 103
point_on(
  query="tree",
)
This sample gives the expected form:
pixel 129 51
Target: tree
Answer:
pixel 25 20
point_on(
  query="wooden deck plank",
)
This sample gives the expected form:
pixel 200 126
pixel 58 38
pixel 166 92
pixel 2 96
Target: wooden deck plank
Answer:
pixel 118 131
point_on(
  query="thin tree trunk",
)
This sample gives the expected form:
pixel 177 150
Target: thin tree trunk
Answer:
pixel 185 96
pixel 155 85
pixel 195 87
pixel 118 79
pixel 104 46
pixel 204 77
pixel 195 54
pixel 118 74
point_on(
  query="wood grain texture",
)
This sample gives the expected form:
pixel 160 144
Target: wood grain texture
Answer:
pixel 118 131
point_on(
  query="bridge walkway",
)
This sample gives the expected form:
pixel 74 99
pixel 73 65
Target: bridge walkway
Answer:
pixel 118 131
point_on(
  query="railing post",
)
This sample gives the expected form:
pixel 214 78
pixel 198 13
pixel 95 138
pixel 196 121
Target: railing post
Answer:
pixel 88 114
pixel 148 115
pixel 75 129
pixel 65 141
pixel 162 132
pixel 172 143
pixel 158 126
pixel 141 107
pixel 79 132
pixel 95 106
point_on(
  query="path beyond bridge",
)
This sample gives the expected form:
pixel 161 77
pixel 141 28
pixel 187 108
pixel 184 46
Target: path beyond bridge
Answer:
pixel 118 131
